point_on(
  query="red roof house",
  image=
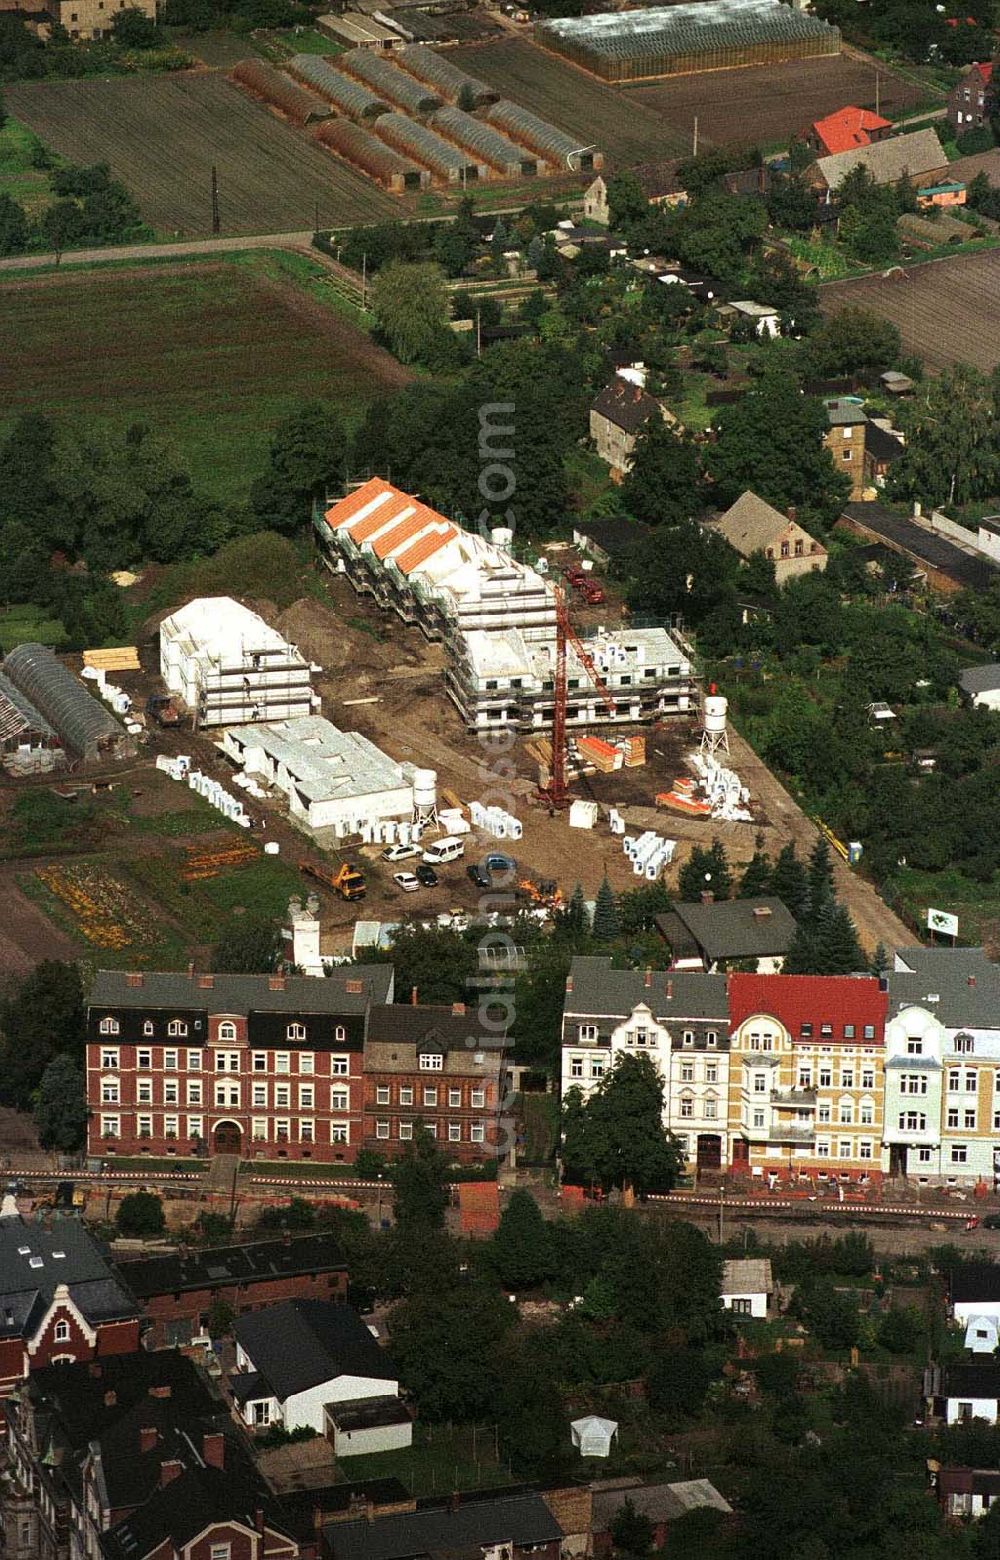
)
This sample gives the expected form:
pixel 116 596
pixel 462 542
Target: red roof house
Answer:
pixel 846 129
pixel 813 1008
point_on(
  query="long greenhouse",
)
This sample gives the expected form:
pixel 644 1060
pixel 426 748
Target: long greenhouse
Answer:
pixel 682 39
pixel 347 95
pixel 429 149
pixel 546 141
pixel 485 143
pixel 370 156
pixel 398 88
pixel 270 86
pixel 441 74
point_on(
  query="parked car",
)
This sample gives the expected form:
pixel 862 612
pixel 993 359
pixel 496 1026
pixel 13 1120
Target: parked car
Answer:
pixel 427 875
pixel 496 861
pixel 400 852
pixel 407 881
pixel 442 851
pixel 477 875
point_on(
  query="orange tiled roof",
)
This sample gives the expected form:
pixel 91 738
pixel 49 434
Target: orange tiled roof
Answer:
pixel 847 129
pixel 346 508
pixel 394 508
pixel 403 531
pixel 421 550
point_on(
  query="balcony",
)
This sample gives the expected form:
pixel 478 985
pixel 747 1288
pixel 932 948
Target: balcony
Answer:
pixel 794 1099
pixel 790 1134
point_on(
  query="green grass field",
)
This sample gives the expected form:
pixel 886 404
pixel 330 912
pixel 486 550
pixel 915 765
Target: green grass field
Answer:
pixel 212 356
pixel 28 623
pixel 27 185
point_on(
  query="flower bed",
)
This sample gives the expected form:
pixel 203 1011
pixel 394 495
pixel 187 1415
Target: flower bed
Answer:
pixel 105 911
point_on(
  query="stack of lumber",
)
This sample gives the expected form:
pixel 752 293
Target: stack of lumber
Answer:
pixel 123 659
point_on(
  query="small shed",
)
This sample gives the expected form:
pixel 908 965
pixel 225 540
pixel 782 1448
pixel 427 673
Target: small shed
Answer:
pixel 747 1286
pixel 982 1334
pixel 594 1436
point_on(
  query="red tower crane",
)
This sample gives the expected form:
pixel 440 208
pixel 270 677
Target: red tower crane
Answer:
pixel 556 793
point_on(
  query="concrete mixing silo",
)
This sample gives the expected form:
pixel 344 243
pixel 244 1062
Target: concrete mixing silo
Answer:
pixel 424 797
pixel 714 733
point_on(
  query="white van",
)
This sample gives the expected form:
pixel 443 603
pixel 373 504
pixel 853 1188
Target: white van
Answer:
pixel 445 850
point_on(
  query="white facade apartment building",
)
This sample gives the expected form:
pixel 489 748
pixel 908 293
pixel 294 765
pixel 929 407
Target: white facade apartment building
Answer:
pixel 679 1020
pixel 229 666
pixel 942 1072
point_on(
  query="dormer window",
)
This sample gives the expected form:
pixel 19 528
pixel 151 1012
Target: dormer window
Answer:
pixel 964 1045
pixel 227 1030
pixel 296 1031
pixel 147 1027
pixel 588 1031
pixel 177 1026
pixel 689 1037
pixel 431 1061
pixel 109 1026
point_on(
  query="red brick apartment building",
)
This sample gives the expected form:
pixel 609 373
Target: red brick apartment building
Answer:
pixel 283 1067
pixel 177 1290
pixel 60 1300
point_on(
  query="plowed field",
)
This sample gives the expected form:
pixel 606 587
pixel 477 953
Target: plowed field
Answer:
pixel 946 310
pixel 163 134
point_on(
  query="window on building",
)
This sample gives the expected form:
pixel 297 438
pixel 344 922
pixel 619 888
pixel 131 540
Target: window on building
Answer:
pixel 382 1095
pixel 405 1094
pixel 283 1062
pixel 454 1098
pixel 951 1119
pixel 913 1083
pixel 758 1118
pixel 307 1096
pixel 959 1154
pixel 228 1094
pixel 687 1072
pixel 381 1129
pixel 431 1061
pixel 258 1129
pixel 282 1128
pixel 109 1058
pixel 867 1116
pixel 144 1091
pixel 971 1082
pixel 867 1077
pixel 845 1113
pixel 258 1095
pixel 177 1026
pixel 711 1038
pixel 914 1046
pixel 823 1113
pixel 224 1551
pixel 711 1072
pixel 144 1057
pixel 258 1061
pixel 110 1126
pixel 171 1091
pixel 954 1080
pixel 478 1099
pixel 844 1148
pixel 923 1156
pixel 687 1106
pixel 805 1078
pixel 868 1032
pixel 760 1083
pixel 171 1125
pixel 848 1031
pixel 969 1120
pixel 688 1037
pixel 865 1148
pixel 296 1032
pixel 847 1077
pixel 596 1071
pixel 170 1061
pixel 148 1028
pixel 825 1078
pixel 587 1031
pixel 430 1096
pixel 822 1148
pixel 194 1061
pixel 454 1132
pixel 307 1131
pixel 339 1066
pixel 307 1062
pixel 145 1125
pixel 282 1095
pixel 194 1096
pixel 807 1030
pixel 196 1126
pixel 227 1030
pixel 339 1132
pixel 478 1132
pixel 110 1026
pixel 576 1066
pixel 912 1121
pixel 110 1094
pixel 340 1098
pixel 711 1107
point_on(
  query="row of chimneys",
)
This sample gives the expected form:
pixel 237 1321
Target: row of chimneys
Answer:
pixel 647 981
pixel 213 1452
pixel 135 978
pixel 457 1008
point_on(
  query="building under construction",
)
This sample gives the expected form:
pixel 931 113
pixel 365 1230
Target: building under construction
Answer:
pixel 497 618
pixel 230 667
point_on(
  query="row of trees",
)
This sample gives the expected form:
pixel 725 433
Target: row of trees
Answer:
pixel 90 208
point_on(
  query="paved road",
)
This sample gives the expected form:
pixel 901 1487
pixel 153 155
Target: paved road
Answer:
pixel 194 246
pixel 874 920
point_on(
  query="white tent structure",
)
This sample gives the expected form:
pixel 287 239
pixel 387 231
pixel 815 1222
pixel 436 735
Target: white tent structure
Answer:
pixel 594 1435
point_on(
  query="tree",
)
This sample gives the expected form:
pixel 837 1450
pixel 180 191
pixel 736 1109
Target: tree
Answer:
pixel 771 442
pixel 419 1183
pixel 757 875
pixel 789 882
pixel 706 872
pixel 411 307
pixel 133 29
pixel 618 1133
pixel 221 1317
pixel 521 1249
pixel 61 1112
pixel 15 229
pixel 140 1215
pixel 676 1385
pixel 900 1330
pixel 436 963
pixel 952 452
pixel 3 111
pixel 627 201
pixel 631 1532
pixel 880 963
pixel 606 923
pixel 820 878
pixel 664 483
pixel 447 1348
pixel 829 1313
pixel 852 341
pixel 40 1018
pixel 251 946
pixel 307 462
